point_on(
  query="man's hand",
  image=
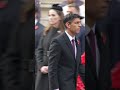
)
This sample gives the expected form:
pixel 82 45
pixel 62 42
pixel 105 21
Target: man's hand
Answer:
pixel 56 89
pixel 44 69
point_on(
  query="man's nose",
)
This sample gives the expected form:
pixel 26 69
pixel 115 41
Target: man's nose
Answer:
pixel 80 24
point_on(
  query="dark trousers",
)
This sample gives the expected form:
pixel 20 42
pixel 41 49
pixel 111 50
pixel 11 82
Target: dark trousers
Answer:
pixel 27 80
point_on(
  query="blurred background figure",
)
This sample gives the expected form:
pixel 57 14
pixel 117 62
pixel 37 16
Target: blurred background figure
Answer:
pixel 54 28
pixel 65 2
pixel 112 25
pixel 82 12
pixel 21 49
pixel 37 5
pixel 9 19
pixel 26 36
pixel 97 47
pixel 78 3
pixel 38 27
pixel 71 8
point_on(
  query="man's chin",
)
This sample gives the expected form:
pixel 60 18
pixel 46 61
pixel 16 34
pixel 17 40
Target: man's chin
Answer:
pixel 77 32
pixel 101 16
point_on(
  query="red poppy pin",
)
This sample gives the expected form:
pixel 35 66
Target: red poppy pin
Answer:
pixel 83 58
pixel 103 37
pixel 36 27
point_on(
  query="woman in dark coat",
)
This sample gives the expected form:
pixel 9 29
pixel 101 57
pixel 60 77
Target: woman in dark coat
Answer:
pixel 42 53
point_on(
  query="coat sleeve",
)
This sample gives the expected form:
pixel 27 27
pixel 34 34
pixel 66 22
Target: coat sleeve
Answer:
pixel 54 57
pixel 39 53
pixel 82 72
pixel 12 64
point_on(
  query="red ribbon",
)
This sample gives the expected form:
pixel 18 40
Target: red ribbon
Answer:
pixel 36 27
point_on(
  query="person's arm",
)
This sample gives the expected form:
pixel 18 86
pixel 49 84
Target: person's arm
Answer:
pixel 82 72
pixel 54 57
pixel 12 63
pixel 56 89
pixel 39 53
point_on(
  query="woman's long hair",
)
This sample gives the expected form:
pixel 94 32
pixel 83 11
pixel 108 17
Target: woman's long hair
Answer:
pixel 61 25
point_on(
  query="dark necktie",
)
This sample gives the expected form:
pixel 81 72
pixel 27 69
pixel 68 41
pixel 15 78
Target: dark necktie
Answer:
pixel 73 45
pixel 91 37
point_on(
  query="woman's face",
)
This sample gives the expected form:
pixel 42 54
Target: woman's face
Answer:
pixel 54 18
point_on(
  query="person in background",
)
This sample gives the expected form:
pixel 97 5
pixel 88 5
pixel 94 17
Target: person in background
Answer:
pixel 38 28
pixel 55 28
pixel 97 49
pixel 66 2
pixel 9 20
pixel 20 51
pixel 112 25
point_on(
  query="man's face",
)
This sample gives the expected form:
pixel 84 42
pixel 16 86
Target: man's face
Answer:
pixel 71 10
pixel 27 5
pixel 70 1
pixel 96 8
pixel 74 26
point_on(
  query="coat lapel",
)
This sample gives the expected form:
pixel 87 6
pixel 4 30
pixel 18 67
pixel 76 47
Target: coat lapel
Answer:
pixel 78 55
pixel 90 64
pixel 102 49
pixel 68 43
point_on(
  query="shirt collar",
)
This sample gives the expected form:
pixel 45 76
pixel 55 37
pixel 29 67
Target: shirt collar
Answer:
pixel 87 28
pixel 36 21
pixel 69 36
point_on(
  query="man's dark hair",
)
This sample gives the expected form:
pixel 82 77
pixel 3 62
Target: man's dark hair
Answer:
pixel 74 6
pixel 70 17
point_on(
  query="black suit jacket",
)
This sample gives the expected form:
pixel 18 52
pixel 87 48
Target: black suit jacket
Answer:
pixel 113 28
pixel 103 80
pixel 8 23
pixel 63 67
pixel 19 55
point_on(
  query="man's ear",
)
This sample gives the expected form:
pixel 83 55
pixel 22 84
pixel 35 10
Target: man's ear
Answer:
pixel 67 24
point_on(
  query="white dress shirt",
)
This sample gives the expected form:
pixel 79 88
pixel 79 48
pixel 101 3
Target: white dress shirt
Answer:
pixel 87 28
pixel 71 38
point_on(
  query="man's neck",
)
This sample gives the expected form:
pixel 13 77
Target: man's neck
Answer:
pixel 70 33
pixel 90 22
pixel 36 21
